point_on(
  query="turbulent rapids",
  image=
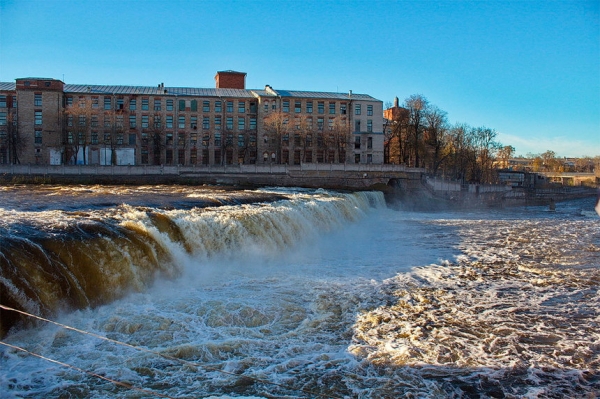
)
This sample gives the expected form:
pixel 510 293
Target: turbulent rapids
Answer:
pixel 53 260
pixel 203 292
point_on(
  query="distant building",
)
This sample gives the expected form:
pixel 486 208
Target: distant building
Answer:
pixel 395 119
pixel 45 121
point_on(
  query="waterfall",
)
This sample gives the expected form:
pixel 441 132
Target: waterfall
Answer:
pixel 57 260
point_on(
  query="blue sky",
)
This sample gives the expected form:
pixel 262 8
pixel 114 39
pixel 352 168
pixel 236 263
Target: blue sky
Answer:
pixel 528 69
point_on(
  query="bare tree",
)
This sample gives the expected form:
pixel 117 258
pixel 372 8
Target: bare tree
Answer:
pixel 435 137
pixel 79 115
pixel 276 127
pixel 505 154
pixel 417 108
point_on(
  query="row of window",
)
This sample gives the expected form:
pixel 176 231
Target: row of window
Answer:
pixel 4 101
pixel 308 107
pixel 218 105
pixel 169 104
pixel 156 122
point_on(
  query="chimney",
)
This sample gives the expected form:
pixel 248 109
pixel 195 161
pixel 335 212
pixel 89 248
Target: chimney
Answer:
pixel 230 80
pixel 350 93
pixel 396 102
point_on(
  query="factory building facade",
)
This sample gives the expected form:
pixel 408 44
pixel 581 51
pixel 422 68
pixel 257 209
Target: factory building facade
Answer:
pixel 45 121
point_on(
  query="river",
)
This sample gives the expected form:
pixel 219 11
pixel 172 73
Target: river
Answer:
pixel 197 292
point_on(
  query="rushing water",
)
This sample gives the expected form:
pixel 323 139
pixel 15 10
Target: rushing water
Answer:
pixel 293 294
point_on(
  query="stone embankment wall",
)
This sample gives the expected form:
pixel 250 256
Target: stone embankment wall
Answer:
pixel 332 176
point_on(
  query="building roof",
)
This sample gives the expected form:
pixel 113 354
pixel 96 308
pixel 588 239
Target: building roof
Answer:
pixel 198 92
pixel 323 94
pixel 8 86
pixel 157 91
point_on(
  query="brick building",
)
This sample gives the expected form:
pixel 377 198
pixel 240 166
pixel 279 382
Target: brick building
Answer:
pixel 45 121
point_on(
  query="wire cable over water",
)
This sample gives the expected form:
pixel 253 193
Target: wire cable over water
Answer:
pixel 141 349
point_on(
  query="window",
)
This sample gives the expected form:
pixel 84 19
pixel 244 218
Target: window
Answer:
pixel 181 122
pixel 194 105
pixel 356 158
pixel 193 138
pixel 37 100
pixel 205 140
pixel 229 125
pixel 320 123
pixel 331 108
pixel 298 107
pixel 194 122
pixel 218 106
pixel 357 109
pixel 69 101
pixel 369 142
pixel 217 139
pixel 3 118
pixel 157 122
pixel 169 105
pixel 182 105
pixel 169 138
pixel 81 120
pixel 94 138
pixel 206 122
pixel 252 124
pixel 94 102
pixel 131 138
pixel 369 125
pixel 38 137
pixel 343 108
pixel 331 123
pixel 157 105
pixel 181 156
pixel 169 122
pixel 107 103
pixel 145 121
pixel 169 157
pixel 144 156
pixel 357 126
pixel 357 143
pixel 241 140
pixel 107 121
pixel 38 117
pixel 206 106
pixel 369 110
pixel 181 139
pixel 217 123
pixel 2 101
pixel 241 107
pixel 132 104
pixel 70 120
pixel 286 106
pixel 14 101
pixel 241 123
pixel 70 137
pixel 253 141
pixel 145 104
pixel 253 107
pixel 120 139
pixel 309 107
pixel 266 106
pixel 321 107
pixel 106 138
pixel 120 103
pixel 94 122
pixel 229 106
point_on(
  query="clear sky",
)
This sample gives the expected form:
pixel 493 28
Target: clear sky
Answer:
pixel 528 69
